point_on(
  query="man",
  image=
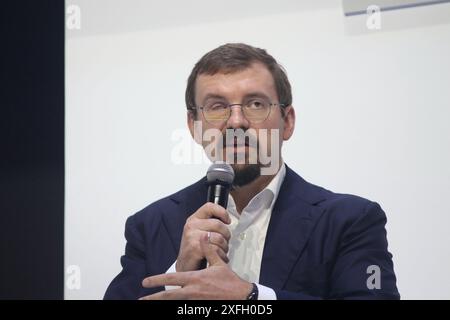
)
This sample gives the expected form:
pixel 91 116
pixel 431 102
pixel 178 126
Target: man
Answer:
pixel 280 237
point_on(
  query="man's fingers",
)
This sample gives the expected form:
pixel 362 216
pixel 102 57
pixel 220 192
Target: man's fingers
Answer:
pixel 223 255
pixel 214 225
pixel 218 240
pixel 167 279
pixel 213 258
pixel 176 294
pixel 211 210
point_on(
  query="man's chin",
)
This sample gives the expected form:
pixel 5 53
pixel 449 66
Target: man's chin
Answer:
pixel 245 174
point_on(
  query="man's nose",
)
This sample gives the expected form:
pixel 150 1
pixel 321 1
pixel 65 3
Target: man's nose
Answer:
pixel 237 119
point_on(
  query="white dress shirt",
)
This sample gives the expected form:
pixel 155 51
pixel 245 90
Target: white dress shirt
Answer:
pixel 248 234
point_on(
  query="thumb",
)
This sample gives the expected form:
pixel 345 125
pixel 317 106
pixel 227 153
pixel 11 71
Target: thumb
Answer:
pixel 209 253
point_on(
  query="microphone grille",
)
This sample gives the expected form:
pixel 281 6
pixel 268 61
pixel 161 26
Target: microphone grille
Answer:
pixel 220 171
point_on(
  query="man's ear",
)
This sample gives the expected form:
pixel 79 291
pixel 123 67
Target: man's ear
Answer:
pixel 289 122
pixel 191 122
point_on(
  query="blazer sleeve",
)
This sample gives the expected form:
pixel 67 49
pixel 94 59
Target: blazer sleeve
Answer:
pixel 128 283
pixel 362 249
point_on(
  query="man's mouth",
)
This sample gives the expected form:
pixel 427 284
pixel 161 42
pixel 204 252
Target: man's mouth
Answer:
pixel 237 144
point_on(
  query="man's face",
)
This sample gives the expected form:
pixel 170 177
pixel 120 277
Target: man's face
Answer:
pixel 235 88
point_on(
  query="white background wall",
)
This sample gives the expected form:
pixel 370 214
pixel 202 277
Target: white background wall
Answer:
pixel 373 111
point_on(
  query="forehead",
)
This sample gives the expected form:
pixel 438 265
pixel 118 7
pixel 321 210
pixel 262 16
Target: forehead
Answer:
pixel 255 78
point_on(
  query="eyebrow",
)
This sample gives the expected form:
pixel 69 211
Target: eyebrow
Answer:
pixel 213 96
pixel 255 94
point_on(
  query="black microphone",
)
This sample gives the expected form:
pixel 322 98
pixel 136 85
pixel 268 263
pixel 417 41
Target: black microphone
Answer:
pixel 220 176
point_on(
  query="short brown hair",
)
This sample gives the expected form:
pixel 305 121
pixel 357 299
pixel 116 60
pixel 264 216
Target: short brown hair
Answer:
pixel 233 57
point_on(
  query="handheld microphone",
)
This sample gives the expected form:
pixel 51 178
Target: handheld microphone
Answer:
pixel 220 176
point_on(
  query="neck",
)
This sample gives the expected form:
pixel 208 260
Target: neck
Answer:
pixel 243 195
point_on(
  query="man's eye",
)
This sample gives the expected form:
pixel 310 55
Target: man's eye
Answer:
pixel 256 104
pixel 217 107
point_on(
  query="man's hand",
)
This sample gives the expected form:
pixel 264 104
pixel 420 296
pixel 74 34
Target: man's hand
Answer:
pixel 217 281
pixel 197 226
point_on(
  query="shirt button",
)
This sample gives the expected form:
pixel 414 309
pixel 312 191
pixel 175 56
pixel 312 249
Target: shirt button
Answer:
pixel 242 236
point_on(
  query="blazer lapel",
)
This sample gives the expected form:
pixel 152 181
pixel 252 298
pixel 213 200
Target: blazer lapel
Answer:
pixel 292 221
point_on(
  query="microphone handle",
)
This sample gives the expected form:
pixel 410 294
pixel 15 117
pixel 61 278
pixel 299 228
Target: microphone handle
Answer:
pixel 218 194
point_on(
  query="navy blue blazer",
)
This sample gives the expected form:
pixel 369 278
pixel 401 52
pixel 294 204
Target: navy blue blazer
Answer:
pixel 319 244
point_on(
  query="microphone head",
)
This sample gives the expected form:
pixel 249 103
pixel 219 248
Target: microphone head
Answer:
pixel 220 172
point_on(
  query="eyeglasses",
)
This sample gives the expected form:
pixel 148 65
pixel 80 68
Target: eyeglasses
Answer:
pixel 255 110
